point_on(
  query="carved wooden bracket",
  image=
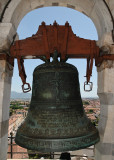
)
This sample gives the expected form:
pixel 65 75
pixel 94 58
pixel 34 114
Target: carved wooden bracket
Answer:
pixel 62 39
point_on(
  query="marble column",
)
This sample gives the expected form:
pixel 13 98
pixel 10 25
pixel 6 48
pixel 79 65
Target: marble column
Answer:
pixel 105 148
pixel 5 89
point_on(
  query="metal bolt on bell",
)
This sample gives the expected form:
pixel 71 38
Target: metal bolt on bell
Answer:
pixel 56 119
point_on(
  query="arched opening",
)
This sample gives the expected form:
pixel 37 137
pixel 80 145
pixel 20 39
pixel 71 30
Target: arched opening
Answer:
pixel 99 14
pixel 96 10
pixel 83 27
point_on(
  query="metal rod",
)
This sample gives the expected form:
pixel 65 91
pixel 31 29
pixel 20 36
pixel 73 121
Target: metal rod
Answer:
pixel 11 145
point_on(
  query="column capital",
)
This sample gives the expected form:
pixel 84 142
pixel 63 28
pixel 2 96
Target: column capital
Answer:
pixel 7 31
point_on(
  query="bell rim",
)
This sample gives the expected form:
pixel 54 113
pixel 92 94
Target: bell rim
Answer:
pixel 58 145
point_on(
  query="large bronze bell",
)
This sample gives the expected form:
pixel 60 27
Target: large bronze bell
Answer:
pixel 56 120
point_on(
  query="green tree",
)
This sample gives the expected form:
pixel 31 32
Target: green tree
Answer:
pixel 16 106
pixel 91 111
pixel 85 103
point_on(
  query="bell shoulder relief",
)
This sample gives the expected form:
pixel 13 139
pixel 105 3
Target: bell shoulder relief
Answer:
pixel 56 119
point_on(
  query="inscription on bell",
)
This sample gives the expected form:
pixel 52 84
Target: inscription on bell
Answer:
pixel 56 120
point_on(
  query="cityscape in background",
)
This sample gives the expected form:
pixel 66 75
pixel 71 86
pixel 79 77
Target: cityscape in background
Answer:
pixel 18 112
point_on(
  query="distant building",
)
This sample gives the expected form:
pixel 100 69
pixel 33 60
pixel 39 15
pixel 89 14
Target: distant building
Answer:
pixel 15 120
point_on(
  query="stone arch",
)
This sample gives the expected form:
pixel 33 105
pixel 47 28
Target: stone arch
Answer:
pixel 99 14
pixel 96 10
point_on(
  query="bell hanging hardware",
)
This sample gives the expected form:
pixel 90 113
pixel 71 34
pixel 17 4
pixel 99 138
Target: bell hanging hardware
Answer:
pixel 88 74
pixel 62 39
pixel 23 76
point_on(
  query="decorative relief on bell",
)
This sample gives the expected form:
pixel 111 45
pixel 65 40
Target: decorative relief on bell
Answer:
pixel 56 120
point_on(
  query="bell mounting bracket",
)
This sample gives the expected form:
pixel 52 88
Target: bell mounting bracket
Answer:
pixel 62 39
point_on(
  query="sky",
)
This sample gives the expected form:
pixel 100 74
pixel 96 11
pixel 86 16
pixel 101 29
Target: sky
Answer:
pixel 81 25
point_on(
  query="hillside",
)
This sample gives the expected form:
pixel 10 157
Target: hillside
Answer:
pixel 16 95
